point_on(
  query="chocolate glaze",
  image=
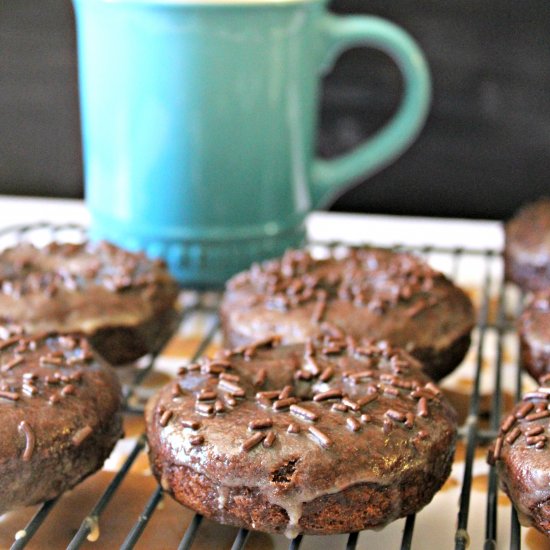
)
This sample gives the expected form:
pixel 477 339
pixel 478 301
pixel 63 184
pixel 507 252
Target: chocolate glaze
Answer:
pixel 527 246
pixel 522 457
pixel 373 293
pixel 339 460
pixel 50 438
pixel 534 333
pixel 124 302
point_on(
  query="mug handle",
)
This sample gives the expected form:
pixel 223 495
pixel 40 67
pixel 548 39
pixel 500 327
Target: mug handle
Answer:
pixel 396 135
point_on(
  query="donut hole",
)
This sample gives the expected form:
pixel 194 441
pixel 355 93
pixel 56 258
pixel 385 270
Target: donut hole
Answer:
pixel 283 474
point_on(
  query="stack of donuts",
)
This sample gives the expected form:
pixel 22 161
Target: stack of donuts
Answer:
pixel 68 313
pixel 321 415
pixel 520 452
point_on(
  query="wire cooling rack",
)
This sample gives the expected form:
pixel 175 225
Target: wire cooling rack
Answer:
pixel 491 367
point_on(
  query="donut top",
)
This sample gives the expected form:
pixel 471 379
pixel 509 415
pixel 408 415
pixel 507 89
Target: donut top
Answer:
pixel 301 421
pixel 522 445
pixel 534 322
pixel 386 292
pixel 528 233
pixel 53 393
pixel 374 278
pixel 68 287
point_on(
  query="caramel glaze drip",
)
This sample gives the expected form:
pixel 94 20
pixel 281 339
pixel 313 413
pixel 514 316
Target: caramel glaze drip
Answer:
pixel 364 399
pixel 372 278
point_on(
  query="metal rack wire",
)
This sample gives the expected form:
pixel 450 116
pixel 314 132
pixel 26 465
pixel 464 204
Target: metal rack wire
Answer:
pixel 472 433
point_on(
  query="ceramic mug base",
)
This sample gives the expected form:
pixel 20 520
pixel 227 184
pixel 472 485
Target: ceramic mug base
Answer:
pixel 206 264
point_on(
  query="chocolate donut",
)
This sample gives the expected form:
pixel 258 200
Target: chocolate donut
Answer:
pixel 372 293
pixel 60 416
pixel 317 438
pixel 122 301
pixel 534 335
pixel 527 246
pixel 522 458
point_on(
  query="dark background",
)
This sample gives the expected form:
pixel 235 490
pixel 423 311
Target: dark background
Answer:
pixel 484 151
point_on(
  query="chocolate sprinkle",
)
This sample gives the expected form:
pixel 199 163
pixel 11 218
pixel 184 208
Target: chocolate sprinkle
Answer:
pixel 536 439
pixel 535 430
pixel 353 424
pixel 523 409
pixel 269 439
pixel 509 421
pixel 69 389
pixel 81 435
pixel 326 375
pixel 30 440
pixel 319 309
pixel 286 392
pixel 498 448
pixel 261 377
pixel 204 408
pixel 304 413
pixel 320 437
pixel 423 407
pixel 11 395
pixel 293 428
pixel 193 424
pixel 537 415
pixel 252 441
pixel 353 405
pixel 513 435
pixel 330 394
pixel 260 424
pixel 12 363
pixel 231 388
pixel 165 418
pixel 396 415
pixel 29 389
pixel 196 440
pixel 284 403
pixel 267 394
pixel 176 389
pixel 367 399
pixel 206 395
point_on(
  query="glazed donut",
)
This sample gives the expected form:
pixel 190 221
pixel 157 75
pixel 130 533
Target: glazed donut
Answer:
pixel 522 457
pixel 318 438
pixel 60 416
pixel 534 335
pixel 122 301
pixel 527 246
pixel 386 295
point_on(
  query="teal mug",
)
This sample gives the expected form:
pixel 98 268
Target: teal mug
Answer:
pixel 199 120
